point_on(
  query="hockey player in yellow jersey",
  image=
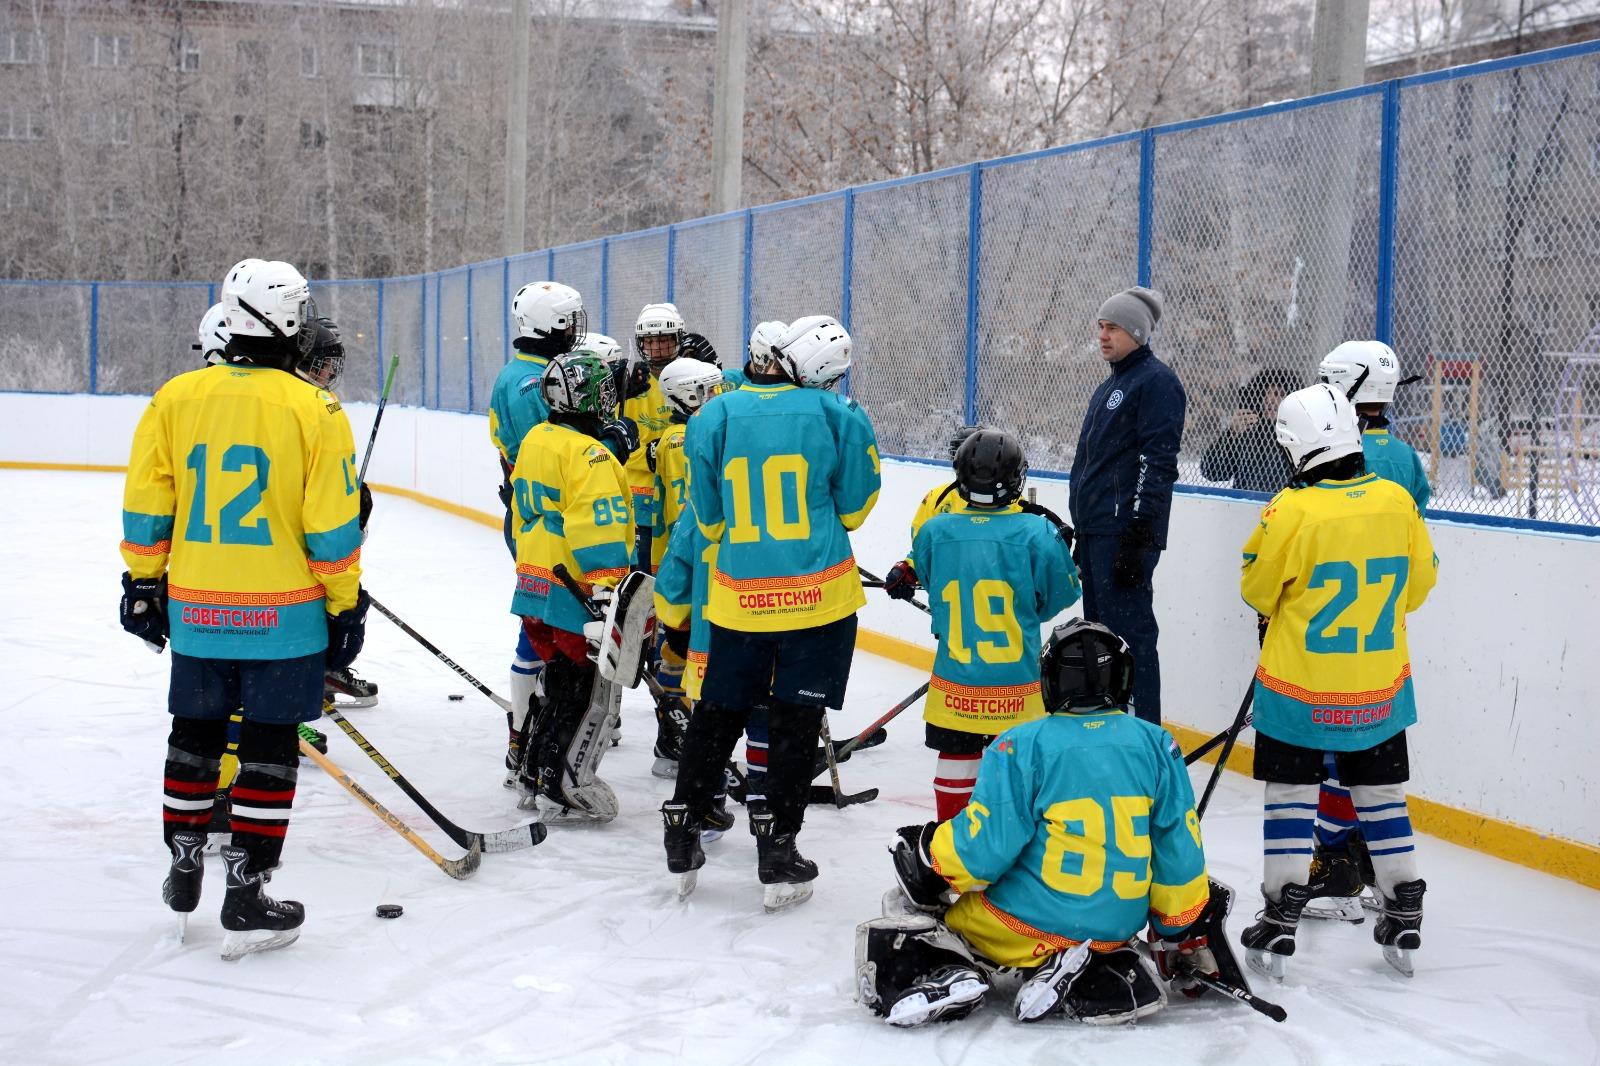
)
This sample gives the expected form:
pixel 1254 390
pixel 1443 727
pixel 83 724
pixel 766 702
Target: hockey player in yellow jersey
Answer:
pixel 572 510
pixel 658 333
pixel 1335 564
pixel 242 539
pixel 901 581
pixel 1081 832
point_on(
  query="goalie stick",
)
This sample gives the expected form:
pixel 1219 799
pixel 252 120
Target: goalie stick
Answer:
pixel 515 839
pixel 504 704
pixel 460 869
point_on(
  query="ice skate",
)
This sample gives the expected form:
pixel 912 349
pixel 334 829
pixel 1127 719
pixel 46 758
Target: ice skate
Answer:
pixel 671 721
pixel 345 690
pixel 1399 929
pixel 181 889
pixel 786 874
pixel 254 921
pixel 315 737
pixel 718 820
pixel 946 994
pixel 1044 991
pixel 1271 940
pixel 682 839
pixel 1335 887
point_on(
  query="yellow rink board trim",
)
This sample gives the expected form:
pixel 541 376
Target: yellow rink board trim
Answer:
pixel 1516 843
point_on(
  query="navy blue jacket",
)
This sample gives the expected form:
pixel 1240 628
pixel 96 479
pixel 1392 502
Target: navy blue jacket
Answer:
pixel 1127 457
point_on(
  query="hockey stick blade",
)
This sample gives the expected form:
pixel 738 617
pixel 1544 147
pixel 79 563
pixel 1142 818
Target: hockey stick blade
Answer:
pixel 823 796
pixel 1249 999
pixel 503 703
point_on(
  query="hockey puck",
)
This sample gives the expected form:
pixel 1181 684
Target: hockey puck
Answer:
pixel 390 910
pixel 456 697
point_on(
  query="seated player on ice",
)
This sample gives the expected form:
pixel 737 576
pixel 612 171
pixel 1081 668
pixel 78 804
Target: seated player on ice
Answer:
pixel 1081 831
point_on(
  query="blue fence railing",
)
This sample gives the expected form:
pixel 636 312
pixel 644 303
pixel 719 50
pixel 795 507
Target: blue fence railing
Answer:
pixel 1447 213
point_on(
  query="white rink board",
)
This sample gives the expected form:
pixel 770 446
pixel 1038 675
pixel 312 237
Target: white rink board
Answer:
pixel 1506 678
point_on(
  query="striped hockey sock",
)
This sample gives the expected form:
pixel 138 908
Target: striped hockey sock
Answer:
pixel 953 779
pixel 189 778
pixel 263 793
pixel 1288 816
pixel 1386 824
pixel 1336 815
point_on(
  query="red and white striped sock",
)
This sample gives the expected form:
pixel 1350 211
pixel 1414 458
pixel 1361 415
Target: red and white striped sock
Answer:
pixel 953 778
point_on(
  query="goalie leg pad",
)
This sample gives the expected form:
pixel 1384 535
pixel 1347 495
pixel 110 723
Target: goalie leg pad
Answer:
pixel 1116 987
pixel 895 953
pixel 572 736
pixel 629 631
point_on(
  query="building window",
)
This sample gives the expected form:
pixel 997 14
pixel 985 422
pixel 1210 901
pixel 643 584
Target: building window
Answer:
pixel 16 196
pixel 113 203
pixel 110 50
pixel 188 55
pixel 309 66
pixel 21 47
pixel 450 68
pixel 313 207
pixel 311 135
pixel 379 60
pixel 21 124
pixel 376 133
pixel 113 126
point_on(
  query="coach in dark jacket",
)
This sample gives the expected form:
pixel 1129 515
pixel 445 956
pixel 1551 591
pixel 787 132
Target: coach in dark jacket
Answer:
pixel 1122 477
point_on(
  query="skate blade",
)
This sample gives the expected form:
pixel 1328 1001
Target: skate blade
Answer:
pixel 781 897
pixel 1336 909
pixel 236 946
pixel 916 1010
pixel 342 702
pixel 1400 959
pixel 1266 963
pixel 707 834
pixel 667 769
pixel 686 883
pixel 183 926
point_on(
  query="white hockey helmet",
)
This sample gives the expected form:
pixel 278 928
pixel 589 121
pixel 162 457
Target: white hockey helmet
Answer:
pixel 1317 425
pixel 270 299
pixel 545 308
pixel 213 334
pixel 814 351
pixel 688 383
pixel 1367 371
pixel 658 320
pixel 601 345
pixel 762 338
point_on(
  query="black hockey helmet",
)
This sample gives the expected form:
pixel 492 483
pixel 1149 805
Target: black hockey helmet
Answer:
pixel 323 364
pixel 990 468
pixel 959 437
pixel 1085 667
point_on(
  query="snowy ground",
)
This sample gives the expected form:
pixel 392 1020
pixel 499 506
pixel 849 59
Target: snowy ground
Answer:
pixel 575 951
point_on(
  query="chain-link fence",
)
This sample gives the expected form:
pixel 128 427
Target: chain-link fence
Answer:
pixel 1451 214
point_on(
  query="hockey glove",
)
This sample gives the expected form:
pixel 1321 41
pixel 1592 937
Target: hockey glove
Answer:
pixel 366 508
pixel 620 435
pixel 913 868
pixel 347 631
pixel 1179 959
pixel 1127 569
pixel 144 609
pixel 901 581
pixel 595 631
pixel 677 640
pixel 505 494
pixel 1262 621
pixel 695 346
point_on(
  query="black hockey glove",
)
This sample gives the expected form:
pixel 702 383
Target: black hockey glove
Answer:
pixel 366 508
pixel 144 609
pixel 913 868
pixel 1262 621
pixel 901 581
pixel 695 346
pixel 1127 569
pixel 505 494
pixel 677 640
pixel 1061 527
pixel 347 631
pixel 621 435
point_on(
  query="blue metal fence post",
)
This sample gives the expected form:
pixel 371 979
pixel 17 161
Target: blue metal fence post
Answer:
pixel 672 261
pixel 470 332
pixel 505 309
pixel 422 342
pixel 605 286
pixel 749 272
pixel 1147 196
pixel 974 259
pixel 438 340
pixel 550 264
pixel 1388 206
pixel 847 274
pixel 379 367
pixel 94 337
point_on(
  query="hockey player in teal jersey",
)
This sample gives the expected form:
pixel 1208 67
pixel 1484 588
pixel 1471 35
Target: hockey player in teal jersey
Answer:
pixel 994 575
pixel 779 472
pixel 1081 831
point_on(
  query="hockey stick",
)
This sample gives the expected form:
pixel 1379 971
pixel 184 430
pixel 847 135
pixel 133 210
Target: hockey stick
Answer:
pixel 522 836
pixel 460 869
pixel 1242 995
pixel 504 704
pixel 1227 749
pixel 383 401
pixel 865 738
pixel 1211 745
pixel 841 798
pixel 876 582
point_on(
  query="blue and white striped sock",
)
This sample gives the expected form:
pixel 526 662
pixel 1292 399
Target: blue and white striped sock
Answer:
pixel 1386 824
pixel 1289 814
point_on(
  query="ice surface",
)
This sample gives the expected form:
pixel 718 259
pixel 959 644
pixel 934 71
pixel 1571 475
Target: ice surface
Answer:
pixel 576 951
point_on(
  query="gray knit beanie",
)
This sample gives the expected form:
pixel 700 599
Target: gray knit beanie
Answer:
pixel 1136 310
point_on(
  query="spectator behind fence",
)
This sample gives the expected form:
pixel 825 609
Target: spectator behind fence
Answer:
pixel 1122 476
pixel 1246 453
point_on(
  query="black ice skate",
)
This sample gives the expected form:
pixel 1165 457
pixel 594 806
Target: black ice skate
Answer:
pixel 672 719
pixel 1271 940
pixel 682 839
pixel 1335 887
pixel 1399 929
pixel 254 920
pixel 948 993
pixel 181 889
pixel 347 690
pixel 782 869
